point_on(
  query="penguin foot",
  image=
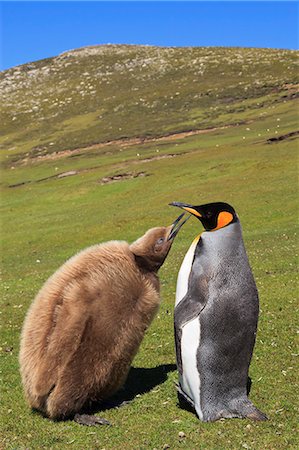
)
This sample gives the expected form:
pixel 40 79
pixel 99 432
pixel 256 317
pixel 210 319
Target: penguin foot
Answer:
pixel 239 408
pixel 257 415
pixel 246 409
pixel 223 414
pixel 90 421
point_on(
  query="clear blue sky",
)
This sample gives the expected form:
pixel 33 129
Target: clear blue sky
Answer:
pixel 36 30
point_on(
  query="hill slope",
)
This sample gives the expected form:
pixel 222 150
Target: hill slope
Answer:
pixel 97 94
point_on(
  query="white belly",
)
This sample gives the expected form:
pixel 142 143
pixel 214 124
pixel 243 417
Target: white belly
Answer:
pixel 190 381
pixel 183 276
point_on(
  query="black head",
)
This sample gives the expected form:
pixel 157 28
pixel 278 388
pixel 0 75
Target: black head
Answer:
pixel 212 215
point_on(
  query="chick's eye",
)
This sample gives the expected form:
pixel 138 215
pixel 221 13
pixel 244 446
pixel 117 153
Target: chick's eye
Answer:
pixel 160 241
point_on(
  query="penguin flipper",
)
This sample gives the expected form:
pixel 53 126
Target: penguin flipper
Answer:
pixel 194 301
pixel 177 339
pixel 188 309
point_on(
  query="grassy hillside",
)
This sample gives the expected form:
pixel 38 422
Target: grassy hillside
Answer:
pixel 96 94
pixel 71 177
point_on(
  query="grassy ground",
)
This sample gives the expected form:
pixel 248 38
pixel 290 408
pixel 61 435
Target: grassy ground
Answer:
pixel 45 222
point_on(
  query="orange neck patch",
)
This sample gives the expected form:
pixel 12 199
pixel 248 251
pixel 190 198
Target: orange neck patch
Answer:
pixel 224 218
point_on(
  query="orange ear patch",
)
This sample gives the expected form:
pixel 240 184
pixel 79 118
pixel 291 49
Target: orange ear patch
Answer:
pixel 224 219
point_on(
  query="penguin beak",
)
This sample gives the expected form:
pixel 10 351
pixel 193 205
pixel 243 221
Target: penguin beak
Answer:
pixel 186 207
pixel 176 226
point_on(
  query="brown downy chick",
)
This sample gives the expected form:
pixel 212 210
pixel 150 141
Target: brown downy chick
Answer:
pixel 85 326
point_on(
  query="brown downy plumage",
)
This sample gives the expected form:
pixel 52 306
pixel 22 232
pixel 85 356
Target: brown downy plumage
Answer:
pixel 85 326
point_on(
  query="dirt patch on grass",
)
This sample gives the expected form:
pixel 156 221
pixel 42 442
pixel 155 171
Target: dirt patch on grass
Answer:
pixel 283 137
pixel 59 175
pixel 156 158
pixel 121 177
pixel 67 174
pixel 19 184
pixel 122 143
pixel 104 180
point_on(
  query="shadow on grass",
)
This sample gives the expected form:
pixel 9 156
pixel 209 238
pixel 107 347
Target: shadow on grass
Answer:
pixel 139 381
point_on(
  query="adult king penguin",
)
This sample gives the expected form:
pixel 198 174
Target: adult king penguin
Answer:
pixel 216 317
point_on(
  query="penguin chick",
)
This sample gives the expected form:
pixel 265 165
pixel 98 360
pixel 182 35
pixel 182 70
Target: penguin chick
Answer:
pixel 215 317
pixel 85 325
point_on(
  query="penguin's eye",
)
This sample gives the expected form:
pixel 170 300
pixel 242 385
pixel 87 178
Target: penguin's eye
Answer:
pixel 160 241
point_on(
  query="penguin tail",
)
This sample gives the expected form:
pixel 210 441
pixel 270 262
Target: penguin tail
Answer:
pixel 185 402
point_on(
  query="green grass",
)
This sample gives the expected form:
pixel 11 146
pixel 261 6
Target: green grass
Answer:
pixel 44 223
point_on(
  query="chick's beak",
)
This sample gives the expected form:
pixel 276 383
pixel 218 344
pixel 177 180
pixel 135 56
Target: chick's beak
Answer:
pixel 186 207
pixel 176 226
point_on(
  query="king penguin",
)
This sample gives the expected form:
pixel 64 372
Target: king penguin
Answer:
pixel 215 317
pixel 85 325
